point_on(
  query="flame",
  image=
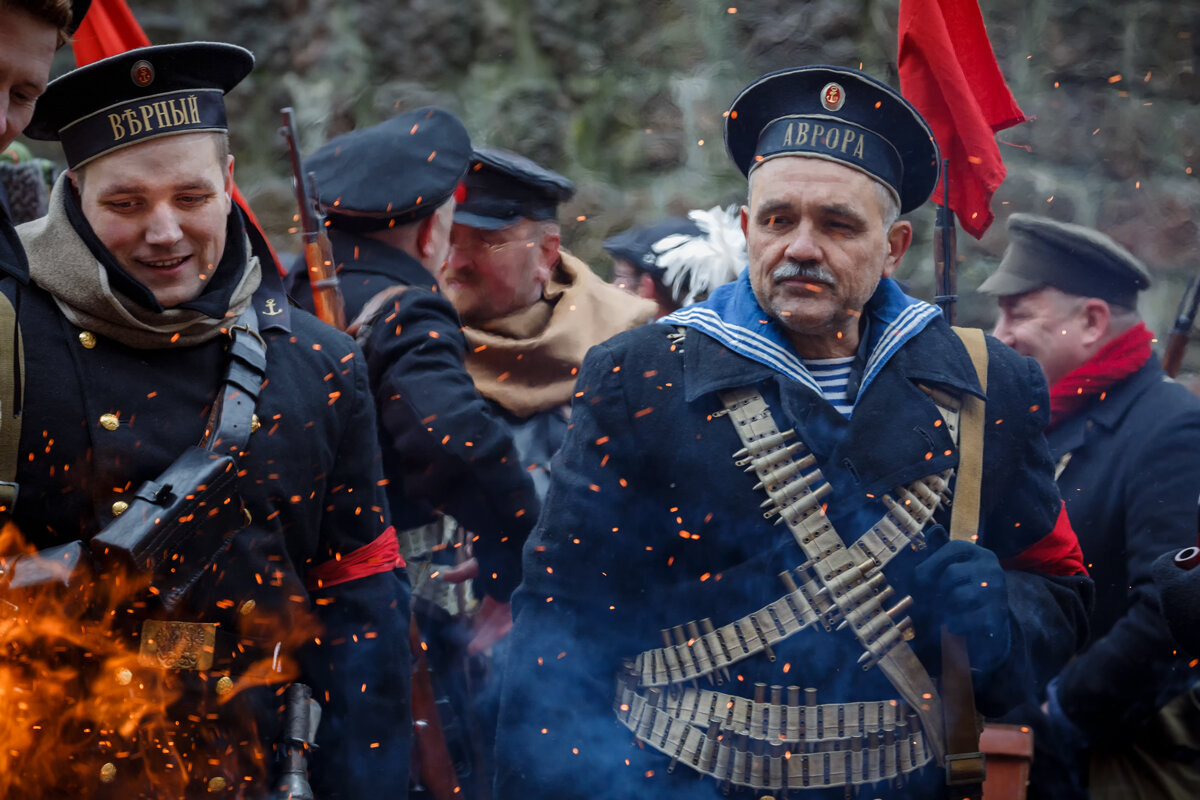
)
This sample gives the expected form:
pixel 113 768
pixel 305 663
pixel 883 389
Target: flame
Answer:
pixel 79 705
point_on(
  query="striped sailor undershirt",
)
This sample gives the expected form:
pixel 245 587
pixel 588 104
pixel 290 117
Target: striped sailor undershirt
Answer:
pixel 832 375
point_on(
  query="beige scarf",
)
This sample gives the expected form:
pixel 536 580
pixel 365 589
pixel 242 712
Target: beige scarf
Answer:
pixel 528 361
pixel 61 263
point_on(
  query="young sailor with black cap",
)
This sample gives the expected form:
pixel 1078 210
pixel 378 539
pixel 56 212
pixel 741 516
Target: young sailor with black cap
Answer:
pixel 144 294
pixel 1124 438
pixel 692 594
pixel 531 309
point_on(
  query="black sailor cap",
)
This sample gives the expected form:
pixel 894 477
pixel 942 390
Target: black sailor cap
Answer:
pixel 393 173
pixel 837 114
pixel 636 245
pixel 142 94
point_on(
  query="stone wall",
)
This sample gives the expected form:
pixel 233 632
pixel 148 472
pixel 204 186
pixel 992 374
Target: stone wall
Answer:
pixel 626 97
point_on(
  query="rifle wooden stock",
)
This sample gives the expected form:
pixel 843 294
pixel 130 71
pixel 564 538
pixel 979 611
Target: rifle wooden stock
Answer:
pixel 1177 342
pixel 432 764
pixel 328 302
pixel 1173 356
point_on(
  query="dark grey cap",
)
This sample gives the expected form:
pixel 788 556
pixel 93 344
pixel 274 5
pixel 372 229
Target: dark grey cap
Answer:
pixel 1074 259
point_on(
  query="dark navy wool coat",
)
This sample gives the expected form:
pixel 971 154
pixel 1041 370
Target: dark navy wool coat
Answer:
pixel 650 524
pixel 1130 488
pixel 444 446
pixel 312 483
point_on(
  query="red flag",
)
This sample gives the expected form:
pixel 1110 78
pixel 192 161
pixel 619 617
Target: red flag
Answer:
pixel 949 72
pixel 109 28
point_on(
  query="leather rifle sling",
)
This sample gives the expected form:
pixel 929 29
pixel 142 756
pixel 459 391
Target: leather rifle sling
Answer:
pixel 964 762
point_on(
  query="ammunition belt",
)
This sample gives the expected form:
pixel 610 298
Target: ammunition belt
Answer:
pixel 418 546
pixel 697 650
pixel 777 745
pixel 842 587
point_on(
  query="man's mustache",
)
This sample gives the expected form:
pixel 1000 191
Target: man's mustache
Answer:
pixel 806 270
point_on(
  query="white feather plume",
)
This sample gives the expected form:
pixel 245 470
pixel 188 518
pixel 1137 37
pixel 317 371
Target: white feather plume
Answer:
pixel 695 265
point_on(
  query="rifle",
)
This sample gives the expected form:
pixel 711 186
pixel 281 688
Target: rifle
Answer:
pixel 318 252
pixel 1178 341
pixel 432 765
pixel 945 251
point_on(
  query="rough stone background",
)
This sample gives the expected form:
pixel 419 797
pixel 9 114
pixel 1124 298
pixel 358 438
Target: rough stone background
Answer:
pixel 626 96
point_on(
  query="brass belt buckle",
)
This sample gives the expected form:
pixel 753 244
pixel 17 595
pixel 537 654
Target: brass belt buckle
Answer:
pixel 167 644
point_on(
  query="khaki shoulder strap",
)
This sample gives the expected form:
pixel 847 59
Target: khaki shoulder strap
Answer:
pixel 12 391
pixel 965 766
pixel 964 522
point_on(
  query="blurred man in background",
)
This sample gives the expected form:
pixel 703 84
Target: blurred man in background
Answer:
pixel 676 262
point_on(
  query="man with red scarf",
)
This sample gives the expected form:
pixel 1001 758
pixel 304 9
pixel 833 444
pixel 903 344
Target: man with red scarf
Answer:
pixel 1125 438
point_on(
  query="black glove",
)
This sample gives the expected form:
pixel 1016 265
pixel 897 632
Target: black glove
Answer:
pixel 967 584
pixel 1180 595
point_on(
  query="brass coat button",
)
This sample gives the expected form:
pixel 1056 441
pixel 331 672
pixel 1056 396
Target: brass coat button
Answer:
pixel 247 607
pixel 110 422
pixel 108 772
pixel 255 424
pixel 87 339
pixel 216 784
pixel 119 508
pixel 224 685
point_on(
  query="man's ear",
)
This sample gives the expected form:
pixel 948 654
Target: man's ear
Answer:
pixel 1096 316
pixel 425 230
pixel 899 237
pixel 548 245
pixel 646 287
pixel 229 180
pixel 74 180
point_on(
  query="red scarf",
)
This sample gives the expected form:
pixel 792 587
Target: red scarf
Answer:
pixel 1112 364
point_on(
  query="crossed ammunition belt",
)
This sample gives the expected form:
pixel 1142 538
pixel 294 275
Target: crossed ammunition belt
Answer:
pixel 418 546
pixel 777 745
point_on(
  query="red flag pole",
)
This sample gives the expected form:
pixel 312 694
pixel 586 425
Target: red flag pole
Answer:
pixel 108 29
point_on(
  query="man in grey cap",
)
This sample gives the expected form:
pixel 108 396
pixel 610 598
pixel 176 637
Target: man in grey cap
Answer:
pixel 1124 437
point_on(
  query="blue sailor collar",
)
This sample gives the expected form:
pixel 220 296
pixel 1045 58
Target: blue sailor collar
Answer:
pixel 733 317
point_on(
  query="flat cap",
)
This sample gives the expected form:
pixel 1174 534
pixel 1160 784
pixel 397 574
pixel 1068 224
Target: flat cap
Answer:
pixel 1074 259
pixel 393 173
pixel 837 114
pixel 142 94
pixel 502 188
